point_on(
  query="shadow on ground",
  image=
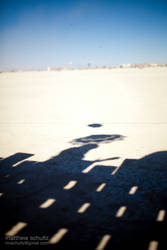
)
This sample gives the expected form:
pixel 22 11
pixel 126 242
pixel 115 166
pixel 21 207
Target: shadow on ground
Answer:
pixel 57 202
pixel 95 125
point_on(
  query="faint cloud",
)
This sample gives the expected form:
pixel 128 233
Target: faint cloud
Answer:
pixel 79 10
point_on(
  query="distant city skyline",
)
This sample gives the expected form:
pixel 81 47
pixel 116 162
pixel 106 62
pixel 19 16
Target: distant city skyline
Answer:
pixel 46 33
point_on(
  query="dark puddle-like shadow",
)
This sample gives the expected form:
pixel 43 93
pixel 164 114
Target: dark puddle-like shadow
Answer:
pixel 123 210
pixel 95 125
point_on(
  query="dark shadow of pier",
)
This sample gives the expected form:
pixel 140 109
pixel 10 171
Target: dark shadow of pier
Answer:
pixel 96 209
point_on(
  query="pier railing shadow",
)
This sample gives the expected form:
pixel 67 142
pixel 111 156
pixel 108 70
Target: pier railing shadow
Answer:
pixel 71 209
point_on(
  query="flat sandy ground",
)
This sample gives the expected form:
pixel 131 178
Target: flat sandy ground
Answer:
pixel 110 116
pixel 41 112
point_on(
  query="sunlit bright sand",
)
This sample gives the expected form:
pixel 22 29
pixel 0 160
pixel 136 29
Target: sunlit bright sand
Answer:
pixel 58 236
pixel 41 112
pixel 16 228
